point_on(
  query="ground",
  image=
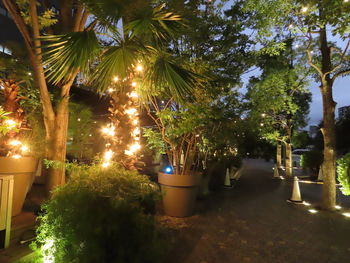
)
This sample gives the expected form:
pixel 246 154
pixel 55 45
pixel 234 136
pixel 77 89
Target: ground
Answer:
pixel 252 222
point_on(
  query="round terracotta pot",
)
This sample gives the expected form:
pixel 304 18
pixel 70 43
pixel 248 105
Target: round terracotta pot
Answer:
pixel 179 193
pixel 22 170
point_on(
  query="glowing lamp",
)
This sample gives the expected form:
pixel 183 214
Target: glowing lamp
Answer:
pixel 168 170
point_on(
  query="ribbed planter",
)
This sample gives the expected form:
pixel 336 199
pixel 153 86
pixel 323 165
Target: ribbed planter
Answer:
pixel 22 170
pixel 179 193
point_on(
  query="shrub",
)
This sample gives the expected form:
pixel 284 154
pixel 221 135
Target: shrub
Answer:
pixel 343 170
pixel 312 160
pixel 99 216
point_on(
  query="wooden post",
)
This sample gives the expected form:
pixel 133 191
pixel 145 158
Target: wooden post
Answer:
pixel 6 195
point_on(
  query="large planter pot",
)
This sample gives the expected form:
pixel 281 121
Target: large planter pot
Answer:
pixel 22 170
pixel 179 193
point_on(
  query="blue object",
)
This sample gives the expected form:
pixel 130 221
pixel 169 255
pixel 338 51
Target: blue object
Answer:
pixel 168 170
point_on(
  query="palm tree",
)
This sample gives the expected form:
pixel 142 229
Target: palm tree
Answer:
pixel 136 34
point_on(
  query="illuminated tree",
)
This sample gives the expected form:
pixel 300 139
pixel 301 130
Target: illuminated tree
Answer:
pixel 311 23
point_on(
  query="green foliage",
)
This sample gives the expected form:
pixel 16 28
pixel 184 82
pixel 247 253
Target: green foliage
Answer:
pixel 312 160
pixel 343 169
pixel 301 139
pixel 99 216
pixel 79 131
pixel 68 53
pixel 4 129
pixel 154 140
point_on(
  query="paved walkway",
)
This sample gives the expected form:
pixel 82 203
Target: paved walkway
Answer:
pixel 253 223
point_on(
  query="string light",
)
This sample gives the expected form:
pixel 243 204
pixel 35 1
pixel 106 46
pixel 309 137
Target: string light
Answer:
pixel 131 111
pixel 115 79
pixel 106 164
pixel 10 123
pixel 139 68
pixel 108 155
pixel 133 84
pixel 110 90
pixel 15 142
pixel 133 94
pixel 304 9
pixel 24 148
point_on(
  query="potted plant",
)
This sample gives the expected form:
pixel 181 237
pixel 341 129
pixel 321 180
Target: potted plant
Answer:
pixel 177 134
pixel 15 156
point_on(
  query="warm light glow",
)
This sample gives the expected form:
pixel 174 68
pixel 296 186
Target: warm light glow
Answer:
pixel 105 164
pixel 338 207
pixel 129 153
pixel 115 79
pixel 346 214
pixel 304 9
pixel 133 84
pixel 15 142
pixel 108 131
pixel 110 90
pixel 24 148
pixel 261 124
pixel 136 131
pixel 108 155
pixel 345 1
pixel 10 123
pixel 16 156
pixel 134 94
pixel 131 111
pixel 290 26
pixel 306 203
pixel 135 147
pixel 263 115
pixel 313 211
pixel 139 68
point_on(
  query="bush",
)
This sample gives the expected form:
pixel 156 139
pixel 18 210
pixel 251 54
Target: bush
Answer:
pixel 343 170
pixel 312 160
pixel 99 216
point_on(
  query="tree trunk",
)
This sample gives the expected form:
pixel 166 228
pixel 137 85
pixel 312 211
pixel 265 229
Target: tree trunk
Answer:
pixel 328 131
pixel 57 150
pixel 289 164
pixel 279 155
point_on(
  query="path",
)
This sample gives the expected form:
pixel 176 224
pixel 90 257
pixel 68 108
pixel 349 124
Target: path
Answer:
pixel 253 223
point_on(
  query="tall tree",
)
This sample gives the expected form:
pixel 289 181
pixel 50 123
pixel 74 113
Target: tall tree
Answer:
pixel 312 23
pixel 63 44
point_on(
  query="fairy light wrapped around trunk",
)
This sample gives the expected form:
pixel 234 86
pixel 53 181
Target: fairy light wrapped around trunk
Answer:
pixel 123 132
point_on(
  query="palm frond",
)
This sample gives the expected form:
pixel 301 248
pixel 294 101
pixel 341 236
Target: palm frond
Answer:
pixel 107 12
pixel 64 54
pixel 165 75
pixel 117 61
pixel 157 23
